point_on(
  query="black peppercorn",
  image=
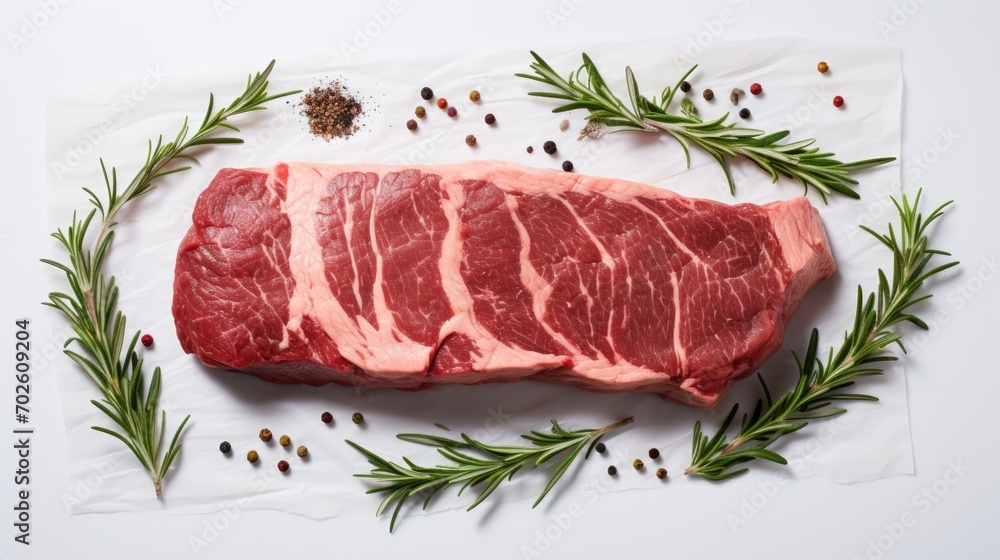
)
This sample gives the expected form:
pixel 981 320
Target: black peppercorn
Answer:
pixel 549 147
pixel 612 470
pixel 745 113
pixel 326 417
pixel 490 118
pixel 567 165
pixel 600 448
pixel 654 453
pixel 357 418
pixel 685 87
pixel 426 93
pixel 530 149
pixel 225 447
pixel 708 95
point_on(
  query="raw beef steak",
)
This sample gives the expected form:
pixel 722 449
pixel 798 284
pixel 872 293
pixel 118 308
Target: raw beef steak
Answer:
pixel 389 276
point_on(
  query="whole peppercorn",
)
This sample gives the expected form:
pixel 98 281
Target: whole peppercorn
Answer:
pixel 838 101
pixel 600 448
pixel 490 118
pixel 426 93
pixel 452 112
pixel 637 464
pixel 225 447
pixel 285 441
pixel 474 96
pixel 822 67
pixel 252 456
pixel 734 96
pixel 549 147
pixel 283 465
pixel 420 112
pixel 326 417
pixel 411 124
pixel 564 125
pixel 147 340
pixel 265 435
pixel 756 89
pixel 567 165
pixel 745 113
pixel 442 103
pixel 708 95
pixel 302 451
pixel 612 470
pixel 357 418
pixel 530 149
pixel 654 453
pixel 685 86
pixel 470 140
pixel 661 473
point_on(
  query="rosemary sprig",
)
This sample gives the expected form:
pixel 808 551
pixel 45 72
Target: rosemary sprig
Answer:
pixel 403 482
pixel 862 353
pixel 586 89
pixel 91 305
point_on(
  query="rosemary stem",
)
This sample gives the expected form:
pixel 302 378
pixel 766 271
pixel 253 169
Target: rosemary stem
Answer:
pixel 612 427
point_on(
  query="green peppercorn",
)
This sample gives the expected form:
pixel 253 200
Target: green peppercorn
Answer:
pixel 600 447
pixel 654 453
pixel 225 447
pixel 420 112
pixel 302 451
pixel 252 456
pixel 612 470
pixel 708 95
pixel 357 418
pixel 265 435
pixel 661 473
pixel 285 441
pixel 411 124
pixel 637 464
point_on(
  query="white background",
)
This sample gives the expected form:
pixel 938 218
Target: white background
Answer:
pixel 950 84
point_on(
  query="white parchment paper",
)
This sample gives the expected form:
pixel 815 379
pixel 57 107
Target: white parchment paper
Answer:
pixel 871 441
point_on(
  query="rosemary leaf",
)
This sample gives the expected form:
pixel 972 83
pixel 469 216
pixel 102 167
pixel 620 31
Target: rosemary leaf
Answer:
pixel 820 383
pixel 586 89
pixel 91 306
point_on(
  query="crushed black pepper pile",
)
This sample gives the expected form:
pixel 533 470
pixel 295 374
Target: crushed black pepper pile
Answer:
pixel 332 111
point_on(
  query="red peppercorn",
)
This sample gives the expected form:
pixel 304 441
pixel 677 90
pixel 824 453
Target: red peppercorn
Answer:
pixel 452 112
pixel 442 103
pixel 147 340
pixel 490 118
pixel 326 417
pixel 755 88
pixel 283 465
pixel 838 101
